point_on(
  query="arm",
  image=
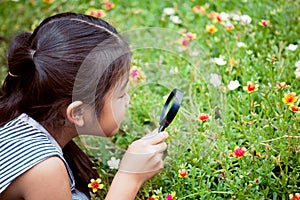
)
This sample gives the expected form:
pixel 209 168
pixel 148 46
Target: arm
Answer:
pixel 47 180
pixel 142 161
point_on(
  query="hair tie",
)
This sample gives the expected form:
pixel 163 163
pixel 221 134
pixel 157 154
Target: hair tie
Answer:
pixel 13 75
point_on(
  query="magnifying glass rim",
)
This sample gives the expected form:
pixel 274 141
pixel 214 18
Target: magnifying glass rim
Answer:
pixel 165 120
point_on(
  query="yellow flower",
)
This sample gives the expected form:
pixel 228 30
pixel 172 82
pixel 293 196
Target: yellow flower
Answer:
pixel 211 28
pixel 95 185
pixel 290 98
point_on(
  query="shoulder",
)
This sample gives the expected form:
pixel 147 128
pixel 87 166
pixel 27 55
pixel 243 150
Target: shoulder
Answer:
pixel 47 180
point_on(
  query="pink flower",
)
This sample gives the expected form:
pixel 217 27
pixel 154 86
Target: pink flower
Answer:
pixel 239 152
pixel 264 22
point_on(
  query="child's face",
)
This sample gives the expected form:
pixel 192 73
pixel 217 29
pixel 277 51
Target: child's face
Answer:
pixel 114 108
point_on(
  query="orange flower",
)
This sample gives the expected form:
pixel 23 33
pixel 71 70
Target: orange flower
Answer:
pixel 47 1
pixel 251 87
pixel 295 108
pixel 231 62
pixel 95 185
pixel 203 117
pixel 239 152
pixel 229 27
pixel 211 28
pixel 290 98
pixel 264 22
pixel 294 197
pixel 212 15
pixel 198 9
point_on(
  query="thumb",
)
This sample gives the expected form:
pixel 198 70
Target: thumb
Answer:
pixel 155 137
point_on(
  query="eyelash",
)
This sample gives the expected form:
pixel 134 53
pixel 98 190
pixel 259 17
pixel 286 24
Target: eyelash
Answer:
pixel 122 96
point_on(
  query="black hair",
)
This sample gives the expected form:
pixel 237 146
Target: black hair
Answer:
pixel 43 76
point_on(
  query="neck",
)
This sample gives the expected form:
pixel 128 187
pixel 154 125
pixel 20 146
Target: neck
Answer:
pixel 63 135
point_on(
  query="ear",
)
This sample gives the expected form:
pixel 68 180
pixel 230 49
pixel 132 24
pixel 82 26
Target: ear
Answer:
pixel 75 113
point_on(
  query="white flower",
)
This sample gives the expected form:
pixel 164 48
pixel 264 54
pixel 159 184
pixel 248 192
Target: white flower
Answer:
pixel 297 64
pixel 241 44
pixel 175 19
pixel 246 19
pixel 233 85
pixel 168 11
pixel 215 79
pixel 292 47
pixel 224 16
pixel 235 17
pixel 219 61
pixel 297 73
pixel 113 163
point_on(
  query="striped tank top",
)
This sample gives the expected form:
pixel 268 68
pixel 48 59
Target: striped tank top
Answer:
pixel 23 144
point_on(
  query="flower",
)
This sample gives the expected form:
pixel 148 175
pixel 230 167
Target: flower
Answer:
pixel 241 44
pixel 282 85
pixel 231 62
pixel 185 43
pixel 297 64
pixel 47 1
pixel 113 163
pixel 294 197
pixel 211 28
pixel 171 196
pixel 175 19
pixel 239 152
pixel 95 185
pixel 251 87
pixel 109 6
pixel 212 15
pixel 153 197
pixel 245 19
pixel 190 35
pixel 233 85
pixel 264 22
pixel 168 11
pixel 220 60
pixel 297 72
pixel 203 117
pixel 290 98
pixel 182 172
pixel 295 108
pixel 215 79
pixel 198 9
pixel 136 75
pixel 229 27
pixel 96 12
pixel 292 47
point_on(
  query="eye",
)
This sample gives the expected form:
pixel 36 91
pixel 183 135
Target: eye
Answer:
pixel 123 96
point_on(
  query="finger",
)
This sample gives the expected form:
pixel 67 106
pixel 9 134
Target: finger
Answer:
pixel 161 147
pixel 156 138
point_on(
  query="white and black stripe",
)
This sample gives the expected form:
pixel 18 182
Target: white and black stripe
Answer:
pixel 23 144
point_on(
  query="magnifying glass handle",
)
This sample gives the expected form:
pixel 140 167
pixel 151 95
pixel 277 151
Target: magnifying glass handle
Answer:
pixel 161 128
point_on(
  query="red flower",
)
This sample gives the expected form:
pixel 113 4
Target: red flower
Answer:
pixel 185 43
pixel 295 197
pixel 203 117
pixel 251 87
pixel 294 108
pixel 109 6
pixel 239 152
pixel 264 22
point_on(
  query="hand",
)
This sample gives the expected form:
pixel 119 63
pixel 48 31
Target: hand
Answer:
pixel 144 157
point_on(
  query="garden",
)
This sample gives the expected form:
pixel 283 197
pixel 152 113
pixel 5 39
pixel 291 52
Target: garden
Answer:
pixel 236 135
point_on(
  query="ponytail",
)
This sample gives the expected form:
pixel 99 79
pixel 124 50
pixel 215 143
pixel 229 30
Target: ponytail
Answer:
pixel 81 166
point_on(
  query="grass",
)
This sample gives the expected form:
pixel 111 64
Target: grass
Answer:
pixel 260 121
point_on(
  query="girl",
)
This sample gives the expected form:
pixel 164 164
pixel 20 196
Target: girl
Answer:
pixel 65 79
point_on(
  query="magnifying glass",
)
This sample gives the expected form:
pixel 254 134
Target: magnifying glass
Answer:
pixel 166 118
